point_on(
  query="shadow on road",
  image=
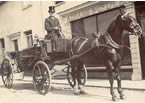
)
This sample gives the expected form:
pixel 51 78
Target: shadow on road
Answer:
pixel 61 90
pixel 20 86
pixel 69 92
pixel 23 86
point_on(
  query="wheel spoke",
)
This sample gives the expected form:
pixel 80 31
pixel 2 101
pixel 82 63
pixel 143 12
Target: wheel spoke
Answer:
pixel 41 77
pixel 7 75
pixel 39 69
pixel 83 76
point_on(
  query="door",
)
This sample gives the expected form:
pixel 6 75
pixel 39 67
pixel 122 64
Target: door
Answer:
pixel 140 13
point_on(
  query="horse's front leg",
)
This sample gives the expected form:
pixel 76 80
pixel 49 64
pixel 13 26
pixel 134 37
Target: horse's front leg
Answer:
pixel 109 67
pixel 118 78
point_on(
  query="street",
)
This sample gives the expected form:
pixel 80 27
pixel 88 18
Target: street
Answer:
pixel 23 92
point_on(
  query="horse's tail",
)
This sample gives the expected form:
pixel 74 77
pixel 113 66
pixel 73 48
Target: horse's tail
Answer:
pixel 70 48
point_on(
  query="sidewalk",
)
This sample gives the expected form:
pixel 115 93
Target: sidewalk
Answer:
pixel 102 83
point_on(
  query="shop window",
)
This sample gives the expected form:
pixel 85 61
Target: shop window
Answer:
pixel 29 38
pixel 105 19
pixel 78 28
pixel 90 25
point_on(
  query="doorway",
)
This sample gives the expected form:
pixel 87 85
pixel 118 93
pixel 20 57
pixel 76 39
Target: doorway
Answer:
pixel 140 13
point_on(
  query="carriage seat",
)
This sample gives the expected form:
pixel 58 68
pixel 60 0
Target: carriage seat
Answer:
pixel 60 45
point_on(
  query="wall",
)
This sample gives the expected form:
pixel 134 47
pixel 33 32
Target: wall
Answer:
pixel 14 18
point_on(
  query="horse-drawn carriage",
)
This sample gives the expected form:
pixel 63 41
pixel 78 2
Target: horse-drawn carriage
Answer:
pixel 41 59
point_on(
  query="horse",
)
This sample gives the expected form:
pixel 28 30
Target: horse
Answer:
pixel 108 45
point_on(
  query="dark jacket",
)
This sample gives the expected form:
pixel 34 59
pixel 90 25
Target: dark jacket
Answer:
pixel 50 23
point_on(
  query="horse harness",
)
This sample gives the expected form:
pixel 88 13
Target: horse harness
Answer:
pixel 96 42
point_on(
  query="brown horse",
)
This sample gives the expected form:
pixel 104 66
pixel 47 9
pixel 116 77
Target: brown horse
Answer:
pixel 106 45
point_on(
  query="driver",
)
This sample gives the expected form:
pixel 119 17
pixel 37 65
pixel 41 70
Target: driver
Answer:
pixel 52 25
pixel 53 28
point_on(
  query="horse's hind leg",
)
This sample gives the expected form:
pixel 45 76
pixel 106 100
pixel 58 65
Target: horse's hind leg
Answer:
pixel 74 77
pixel 118 78
pixel 111 80
pixel 80 85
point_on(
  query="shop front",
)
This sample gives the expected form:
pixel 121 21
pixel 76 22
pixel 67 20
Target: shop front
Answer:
pixel 96 17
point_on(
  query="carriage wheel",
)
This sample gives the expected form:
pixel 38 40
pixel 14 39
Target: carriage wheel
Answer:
pixel 41 77
pixel 83 76
pixel 6 73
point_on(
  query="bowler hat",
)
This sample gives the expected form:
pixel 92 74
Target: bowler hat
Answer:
pixel 51 9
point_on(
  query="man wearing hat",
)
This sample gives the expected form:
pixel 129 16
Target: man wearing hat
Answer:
pixel 53 28
pixel 52 25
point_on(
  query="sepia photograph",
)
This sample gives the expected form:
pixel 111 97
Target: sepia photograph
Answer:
pixel 72 51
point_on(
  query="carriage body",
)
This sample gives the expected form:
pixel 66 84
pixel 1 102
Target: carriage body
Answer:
pixel 26 58
pixel 40 59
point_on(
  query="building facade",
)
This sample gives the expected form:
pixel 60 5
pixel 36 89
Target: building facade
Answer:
pixel 87 17
pixel 19 20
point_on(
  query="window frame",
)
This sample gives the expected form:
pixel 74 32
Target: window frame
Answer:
pixel 57 3
pixel 29 38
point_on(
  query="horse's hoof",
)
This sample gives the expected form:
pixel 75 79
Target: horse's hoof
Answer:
pixel 83 92
pixel 122 97
pixel 115 99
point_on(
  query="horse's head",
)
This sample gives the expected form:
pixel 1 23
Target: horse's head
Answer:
pixel 130 24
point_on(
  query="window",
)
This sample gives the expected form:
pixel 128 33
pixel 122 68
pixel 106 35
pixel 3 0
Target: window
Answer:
pixel 26 4
pixel 2 43
pixel 16 45
pixel 77 28
pixel 90 25
pixel 29 38
pixel 105 19
pixel 2 46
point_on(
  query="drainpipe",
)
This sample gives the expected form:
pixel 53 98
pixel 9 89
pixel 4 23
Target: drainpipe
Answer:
pixel 42 18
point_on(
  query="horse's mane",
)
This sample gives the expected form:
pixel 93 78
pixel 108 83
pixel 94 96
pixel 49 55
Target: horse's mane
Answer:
pixel 113 24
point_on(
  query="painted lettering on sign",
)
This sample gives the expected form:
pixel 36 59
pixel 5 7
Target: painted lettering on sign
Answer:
pixel 93 9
